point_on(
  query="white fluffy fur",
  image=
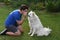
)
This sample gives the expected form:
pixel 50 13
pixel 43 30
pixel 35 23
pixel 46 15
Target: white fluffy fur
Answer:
pixel 35 25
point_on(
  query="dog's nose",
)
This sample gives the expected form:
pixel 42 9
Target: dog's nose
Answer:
pixel 28 15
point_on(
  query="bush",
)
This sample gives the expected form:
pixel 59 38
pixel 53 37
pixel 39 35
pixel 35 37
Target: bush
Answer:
pixel 15 3
pixel 32 6
pixel 7 2
pixel 53 6
pixel 38 6
pixel 58 6
pixel 1 0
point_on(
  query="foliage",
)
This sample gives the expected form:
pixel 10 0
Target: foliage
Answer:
pixel 53 6
pixel 50 5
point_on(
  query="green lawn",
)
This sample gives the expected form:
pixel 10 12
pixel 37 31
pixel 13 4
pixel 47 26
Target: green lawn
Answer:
pixel 48 19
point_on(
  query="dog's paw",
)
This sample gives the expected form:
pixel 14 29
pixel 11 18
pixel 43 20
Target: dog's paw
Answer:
pixel 29 33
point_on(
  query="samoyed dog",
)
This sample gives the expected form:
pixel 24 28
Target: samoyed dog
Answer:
pixel 36 26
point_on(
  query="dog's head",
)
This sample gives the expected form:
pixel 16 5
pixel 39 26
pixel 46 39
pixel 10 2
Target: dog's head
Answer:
pixel 31 14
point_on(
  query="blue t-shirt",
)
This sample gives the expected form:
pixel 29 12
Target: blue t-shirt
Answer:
pixel 13 16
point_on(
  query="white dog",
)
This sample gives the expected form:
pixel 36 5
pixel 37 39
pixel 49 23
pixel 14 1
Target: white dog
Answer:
pixel 35 25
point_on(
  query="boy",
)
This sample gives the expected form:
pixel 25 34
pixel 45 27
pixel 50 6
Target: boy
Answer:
pixel 14 21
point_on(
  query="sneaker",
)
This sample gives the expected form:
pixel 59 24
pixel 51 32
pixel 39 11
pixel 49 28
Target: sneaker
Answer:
pixel 3 32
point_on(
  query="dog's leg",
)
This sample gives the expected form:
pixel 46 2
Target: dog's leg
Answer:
pixel 30 31
pixel 33 32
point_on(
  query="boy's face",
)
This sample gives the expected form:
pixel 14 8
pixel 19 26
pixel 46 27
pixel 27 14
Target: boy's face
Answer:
pixel 24 12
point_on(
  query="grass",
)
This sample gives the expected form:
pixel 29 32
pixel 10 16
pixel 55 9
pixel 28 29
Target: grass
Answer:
pixel 48 19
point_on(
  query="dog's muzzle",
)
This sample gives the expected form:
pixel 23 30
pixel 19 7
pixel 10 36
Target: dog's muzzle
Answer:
pixel 28 15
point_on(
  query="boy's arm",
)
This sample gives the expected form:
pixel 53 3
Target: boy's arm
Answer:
pixel 21 21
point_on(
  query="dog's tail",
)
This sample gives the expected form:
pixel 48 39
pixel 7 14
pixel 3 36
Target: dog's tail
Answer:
pixel 47 31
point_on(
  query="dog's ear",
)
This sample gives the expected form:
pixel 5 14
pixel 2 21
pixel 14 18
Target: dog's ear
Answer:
pixel 33 14
pixel 31 11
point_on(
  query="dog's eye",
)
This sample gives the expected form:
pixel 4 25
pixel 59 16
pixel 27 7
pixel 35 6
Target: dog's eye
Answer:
pixel 30 14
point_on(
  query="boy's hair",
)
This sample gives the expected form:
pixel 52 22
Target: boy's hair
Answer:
pixel 23 7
